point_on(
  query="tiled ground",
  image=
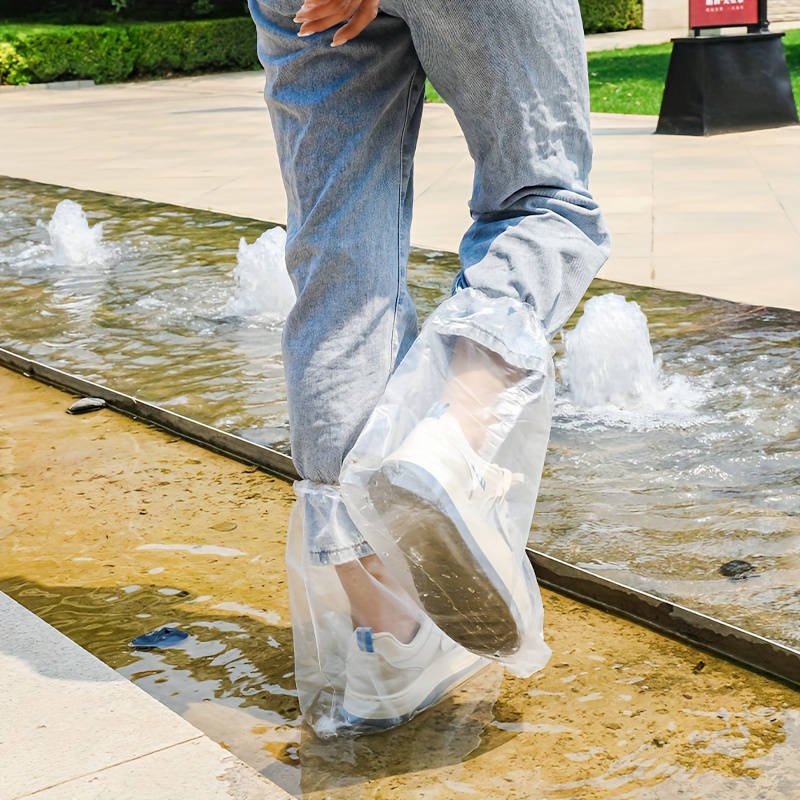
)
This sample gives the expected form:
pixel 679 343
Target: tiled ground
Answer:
pixel 717 215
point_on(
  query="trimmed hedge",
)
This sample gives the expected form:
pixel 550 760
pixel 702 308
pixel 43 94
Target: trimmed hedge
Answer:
pixel 109 53
pixel 601 16
pixel 105 54
pixel 101 12
pixel 192 46
pixel 98 53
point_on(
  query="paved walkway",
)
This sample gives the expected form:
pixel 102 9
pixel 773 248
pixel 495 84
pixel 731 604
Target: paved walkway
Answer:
pixel 784 10
pixel 787 19
pixel 717 216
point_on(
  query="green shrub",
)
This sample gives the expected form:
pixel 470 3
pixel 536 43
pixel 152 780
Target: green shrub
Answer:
pixel 101 12
pixel 600 16
pixel 191 46
pixel 100 54
pixel 104 54
pixel 13 68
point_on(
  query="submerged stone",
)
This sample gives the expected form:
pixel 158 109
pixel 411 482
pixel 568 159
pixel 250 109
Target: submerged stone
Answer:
pixel 86 404
pixel 735 568
pixel 163 637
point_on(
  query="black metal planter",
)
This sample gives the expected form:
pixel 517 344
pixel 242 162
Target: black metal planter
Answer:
pixel 724 84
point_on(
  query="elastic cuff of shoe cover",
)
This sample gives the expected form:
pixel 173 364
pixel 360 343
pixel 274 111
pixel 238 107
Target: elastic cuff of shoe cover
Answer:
pixel 503 325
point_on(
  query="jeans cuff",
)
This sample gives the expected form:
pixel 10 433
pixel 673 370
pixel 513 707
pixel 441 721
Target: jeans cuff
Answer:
pixel 331 536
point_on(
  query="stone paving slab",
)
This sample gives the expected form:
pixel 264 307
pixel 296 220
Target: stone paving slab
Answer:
pixel 717 215
pixel 71 727
pixel 195 770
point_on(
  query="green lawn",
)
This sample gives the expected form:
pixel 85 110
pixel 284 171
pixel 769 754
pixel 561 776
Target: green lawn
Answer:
pixel 631 81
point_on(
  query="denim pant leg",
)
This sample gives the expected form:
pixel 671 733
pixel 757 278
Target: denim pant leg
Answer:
pixel 346 122
pixel 514 72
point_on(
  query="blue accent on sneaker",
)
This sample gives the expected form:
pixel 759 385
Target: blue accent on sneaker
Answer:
pixel 364 639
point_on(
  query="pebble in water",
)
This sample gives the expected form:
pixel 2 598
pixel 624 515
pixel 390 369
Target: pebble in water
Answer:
pixel 163 637
pixel 735 568
pixel 86 404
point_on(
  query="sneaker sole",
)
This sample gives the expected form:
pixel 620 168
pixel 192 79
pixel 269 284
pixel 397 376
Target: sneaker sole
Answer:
pixel 457 585
pixel 371 724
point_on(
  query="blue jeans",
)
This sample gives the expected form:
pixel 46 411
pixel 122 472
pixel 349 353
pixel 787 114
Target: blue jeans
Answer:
pixel 346 122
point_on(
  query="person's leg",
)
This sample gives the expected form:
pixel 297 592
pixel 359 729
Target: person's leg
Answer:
pixel 377 600
pixel 515 74
pixel 479 376
pixel 455 482
pixel 346 123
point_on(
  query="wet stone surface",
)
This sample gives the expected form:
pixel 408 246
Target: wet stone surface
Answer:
pixel 618 713
pixel 736 568
pixel 86 404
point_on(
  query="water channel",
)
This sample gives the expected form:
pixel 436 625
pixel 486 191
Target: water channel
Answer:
pixel 658 490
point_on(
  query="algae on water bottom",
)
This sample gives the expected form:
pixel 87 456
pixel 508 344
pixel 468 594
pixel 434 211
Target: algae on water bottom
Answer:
pixel 618 712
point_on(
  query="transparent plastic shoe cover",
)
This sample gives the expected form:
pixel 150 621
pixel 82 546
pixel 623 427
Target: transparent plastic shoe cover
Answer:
pixel 366 657
pixel 443 480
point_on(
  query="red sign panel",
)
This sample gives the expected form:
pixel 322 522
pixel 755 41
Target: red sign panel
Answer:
pixel 722 13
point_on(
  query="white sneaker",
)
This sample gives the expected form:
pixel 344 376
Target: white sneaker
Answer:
pixel 442 504
pixel 388 681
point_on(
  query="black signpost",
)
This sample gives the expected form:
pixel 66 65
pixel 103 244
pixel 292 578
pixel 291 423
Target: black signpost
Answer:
pixel 725 83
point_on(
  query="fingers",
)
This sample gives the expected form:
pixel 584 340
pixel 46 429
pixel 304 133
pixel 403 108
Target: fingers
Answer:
pixel 366 12
pixel 318 25
pixel 313 10
pixel 318 15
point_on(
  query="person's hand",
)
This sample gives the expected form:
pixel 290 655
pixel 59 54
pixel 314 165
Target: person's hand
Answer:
pixel 319 15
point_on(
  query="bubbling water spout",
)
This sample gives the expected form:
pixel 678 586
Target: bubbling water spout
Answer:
pixel 73 242
pixel 610 360
pixel 263 288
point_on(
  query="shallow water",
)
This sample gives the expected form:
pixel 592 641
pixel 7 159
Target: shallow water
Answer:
pixel 153 317
pixel 659 497
pixel 655 497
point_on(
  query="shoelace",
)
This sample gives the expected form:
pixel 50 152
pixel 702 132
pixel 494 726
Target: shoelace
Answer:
pixel 496 482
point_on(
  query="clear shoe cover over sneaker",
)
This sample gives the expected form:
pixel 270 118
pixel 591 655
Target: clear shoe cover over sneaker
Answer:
pixel 443 480
pixel 388 681
pixel 352 678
